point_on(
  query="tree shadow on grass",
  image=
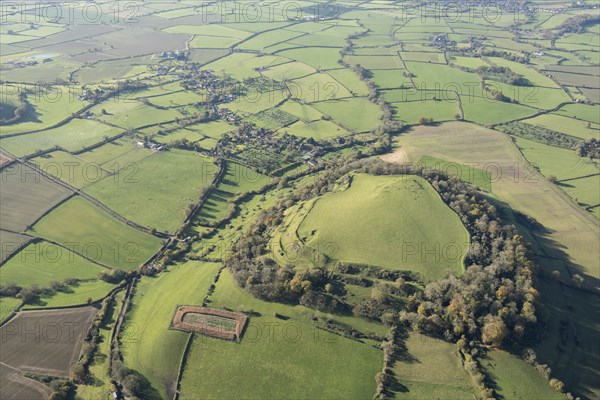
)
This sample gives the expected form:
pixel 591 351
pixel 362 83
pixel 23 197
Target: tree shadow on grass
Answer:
pixel 142 387
pixel 568 317
pixel 564 185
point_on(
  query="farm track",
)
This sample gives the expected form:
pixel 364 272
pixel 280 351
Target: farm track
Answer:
pixel 88 198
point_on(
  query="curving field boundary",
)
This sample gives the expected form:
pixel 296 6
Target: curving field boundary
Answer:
pixel 209 329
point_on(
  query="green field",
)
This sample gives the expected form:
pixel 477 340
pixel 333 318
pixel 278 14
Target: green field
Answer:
pixel 237 180
pixel 77 295
pixel 157 190
pixel 390 78
pixel 515 379
pixel 100 387
pixel 429 75
pixel 356 114
pixel 317 87
pixel 128 114
pixel 411 112
pixel 7 306
pixel 176 99
pixel 294 361
pixel 116 155
pixel 531 74
pixel 468 62
pixel 50 106
pixel 467 173
pixel 394 229
pixel 318 129
pixel 92 231
pixel 303 111
pixel 264 40
pixel 214 129
pixel 350 80
pixel 73 136
pixel 513 183
pixel 287 71
pixel 587 112
pixel 304 93
pixel 578 176
pixel 317 57
pixel 70 169
pixel 431 369
pixel 493 112
pixel 551 160
pixel 42 262
pixel 570 126
pixel 148 345
pixel 375 62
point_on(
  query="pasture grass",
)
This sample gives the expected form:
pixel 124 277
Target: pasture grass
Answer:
pixel 263 40
pixel 429 75
pixel 42 262
pixel 431 370
pixel 148 345
pixel 132 114
pixel 238 179
pixel 256 102
pixel 50 106
pixel 7 306
pixel 515 379
pixel 570 126
pixel 212 42
pixel 530 74
pixel 468 62
pixel 551 160
pixel 73 136
pixel 392 78
pixel 120 155
pixel 427 57
pixel 467 173
pixel 287 71
pixel 95 233
pixel 10 242
pixel 357 114
pixel 317 57
pixel 398 216
pixel 489 112
pixel 296 361
pixel 375 62
pixel 411 112
pixel 514 183
pixel 317 130
pixel 317 87
pixel 176 99
pixel 303 111
pixel 76 295
pixel 159 190
pixel 350 81
pixel 70 169
pixel 212 129
pixel 588 112
pixel 100 388
pixel 209 30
